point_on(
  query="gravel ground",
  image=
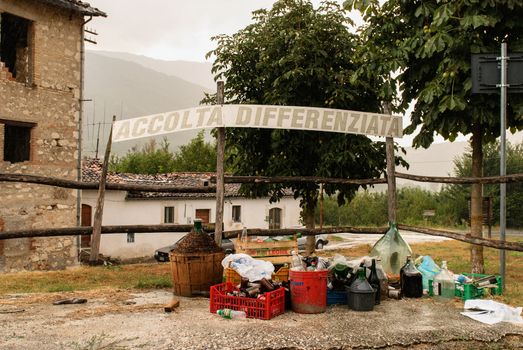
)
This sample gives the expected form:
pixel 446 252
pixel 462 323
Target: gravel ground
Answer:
pixel 123 320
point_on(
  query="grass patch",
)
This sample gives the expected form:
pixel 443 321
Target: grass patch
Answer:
pixel 158 276
pixel 334 238
pixel 155 282
pixel 60 287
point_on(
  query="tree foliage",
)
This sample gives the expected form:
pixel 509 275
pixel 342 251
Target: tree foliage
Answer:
pixel 462 167
pixel 428 44
pixel 197 156
pixel 295 54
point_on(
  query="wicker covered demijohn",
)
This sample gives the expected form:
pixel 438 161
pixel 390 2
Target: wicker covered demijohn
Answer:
pixel 196 263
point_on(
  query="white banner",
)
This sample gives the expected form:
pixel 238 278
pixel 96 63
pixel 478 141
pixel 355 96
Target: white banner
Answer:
pixel 259 116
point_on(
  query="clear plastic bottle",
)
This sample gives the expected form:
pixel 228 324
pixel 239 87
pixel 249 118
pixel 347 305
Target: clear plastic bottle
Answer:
pixel 297 264
pixel 443 283
pixel 231 314
pixel 384 281
pixel 244 237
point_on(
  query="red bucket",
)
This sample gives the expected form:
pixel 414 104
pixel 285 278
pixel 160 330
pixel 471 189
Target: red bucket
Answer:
pixel 308 291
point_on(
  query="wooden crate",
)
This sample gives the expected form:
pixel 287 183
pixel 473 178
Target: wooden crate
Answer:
pixel 278 252
pixel 195 272
pixel 231 276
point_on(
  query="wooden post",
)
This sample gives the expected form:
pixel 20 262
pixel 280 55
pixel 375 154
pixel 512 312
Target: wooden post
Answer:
pixel 98 215
pixel 391 172
pixel 220 187
pixel 321 206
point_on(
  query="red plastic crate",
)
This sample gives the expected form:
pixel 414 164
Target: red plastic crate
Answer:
pixel 272 306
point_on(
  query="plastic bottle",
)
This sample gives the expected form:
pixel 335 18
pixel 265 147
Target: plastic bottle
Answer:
pixel 231 314
pixel 374 281
pixel 198 226
pixel 444 283
pixel 297 264
pixel 244 237
pixel 410 280
pixel 384 281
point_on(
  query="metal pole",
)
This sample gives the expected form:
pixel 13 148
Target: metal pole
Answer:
pixel 502 162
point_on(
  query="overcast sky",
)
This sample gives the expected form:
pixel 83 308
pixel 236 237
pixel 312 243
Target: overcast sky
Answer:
pixel 170 29
pixel 175 29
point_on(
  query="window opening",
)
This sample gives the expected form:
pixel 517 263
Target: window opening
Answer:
pixel 168 215
pixel 17 141
pixel 14 51
pixel 236 213
pixel 130 237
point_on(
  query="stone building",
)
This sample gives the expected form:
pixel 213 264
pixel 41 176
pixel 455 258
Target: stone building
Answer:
pixel 41 64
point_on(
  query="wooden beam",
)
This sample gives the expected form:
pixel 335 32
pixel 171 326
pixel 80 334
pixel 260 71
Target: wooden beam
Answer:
pixel 74 231
pixel 88 230
pixel 463 180
pixel 466 237
pixel 306 179
pixel 51 181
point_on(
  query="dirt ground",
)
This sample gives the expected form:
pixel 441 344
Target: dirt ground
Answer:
pixel 116 319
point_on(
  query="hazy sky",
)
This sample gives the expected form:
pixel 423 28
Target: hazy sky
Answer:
pixel 170 29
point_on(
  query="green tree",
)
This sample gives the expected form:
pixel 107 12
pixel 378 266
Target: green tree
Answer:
pixel 198 155
pixel 295 54
pixel 429 43
pixel 462 167
pixel 149 160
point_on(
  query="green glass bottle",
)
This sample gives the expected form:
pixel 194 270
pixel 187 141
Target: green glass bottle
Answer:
pixel 198 227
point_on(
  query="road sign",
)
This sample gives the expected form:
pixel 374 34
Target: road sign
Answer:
pixel 486 73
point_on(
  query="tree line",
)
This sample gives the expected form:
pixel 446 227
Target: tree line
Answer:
pixel 450 205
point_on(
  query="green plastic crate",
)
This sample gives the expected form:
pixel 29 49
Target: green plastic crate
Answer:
pixel 469 291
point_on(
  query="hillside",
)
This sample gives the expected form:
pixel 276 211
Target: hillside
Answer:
pixel 198 73
pixel 126 89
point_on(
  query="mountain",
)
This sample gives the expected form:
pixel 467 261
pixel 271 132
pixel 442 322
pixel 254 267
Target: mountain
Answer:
pixel 127 89
pixel 198 73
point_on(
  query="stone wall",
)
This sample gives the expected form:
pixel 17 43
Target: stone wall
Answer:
pixel 48 96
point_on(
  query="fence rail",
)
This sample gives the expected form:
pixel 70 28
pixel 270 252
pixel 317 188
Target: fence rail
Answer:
pixel 75 231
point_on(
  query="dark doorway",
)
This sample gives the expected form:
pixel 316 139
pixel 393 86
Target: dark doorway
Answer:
pixel 274 218
pixel 86 221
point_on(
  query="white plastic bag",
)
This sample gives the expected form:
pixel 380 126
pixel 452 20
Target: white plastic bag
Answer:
pixel 492 312
pixel 248 267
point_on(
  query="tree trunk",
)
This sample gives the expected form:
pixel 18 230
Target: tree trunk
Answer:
pixel 476 199
pixel 310 244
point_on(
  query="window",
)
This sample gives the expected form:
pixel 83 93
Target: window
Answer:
pixel 17 141
pixel 130 237
pixel 274 218
pixel 168 215
pixel 236 213
pixel 14 45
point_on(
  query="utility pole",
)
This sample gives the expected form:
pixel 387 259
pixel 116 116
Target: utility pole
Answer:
pixel 98 215
pixel 391 171
pixel 502 161
pixel 220 186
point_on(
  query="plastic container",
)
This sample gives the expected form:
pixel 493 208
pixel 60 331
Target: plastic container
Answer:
pixel 270 305
pixel 230 275
pixel 360 294
pixel 443 284
pixel 308 291
pixel 467 291
pixel 336 297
